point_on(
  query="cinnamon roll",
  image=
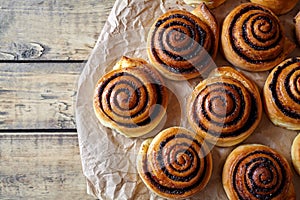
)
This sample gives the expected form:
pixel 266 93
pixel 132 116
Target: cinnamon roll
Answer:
pixel 282 94
pixel 131 99
pixel 295 152
pixel 253 38
pixel 257 172
pixel 182 45
pixel 279 7
pixel 225 108
pixel 210 3
pixel 177 163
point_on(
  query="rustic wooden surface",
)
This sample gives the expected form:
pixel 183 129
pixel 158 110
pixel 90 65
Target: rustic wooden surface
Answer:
pixel 43 47
pixel 49 29
pixel 38 95
pixel 41 166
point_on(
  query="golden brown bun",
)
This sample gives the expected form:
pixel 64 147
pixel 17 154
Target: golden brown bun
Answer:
pixel 175 164
pixel 295 151
pixel 297 27
pixel 225 108
pixel 131 99
pixel 257 172
pixel 282 94
pixel 279 7
pixel 210 3
pixel 182 45
pixel 253 39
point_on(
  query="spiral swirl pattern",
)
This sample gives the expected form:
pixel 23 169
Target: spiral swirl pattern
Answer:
pixel 131 100
pixel 180 44
pixel 224 110
pixel 256 172
pixel 253 38
pixel 283 86
pixel 176 164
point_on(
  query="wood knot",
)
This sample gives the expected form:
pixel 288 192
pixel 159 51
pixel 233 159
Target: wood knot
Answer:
pixel 30 50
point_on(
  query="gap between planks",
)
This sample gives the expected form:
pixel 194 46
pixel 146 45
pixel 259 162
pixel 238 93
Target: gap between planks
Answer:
pixel 43 133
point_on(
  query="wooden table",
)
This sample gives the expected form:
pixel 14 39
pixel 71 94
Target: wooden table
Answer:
pixel 43 48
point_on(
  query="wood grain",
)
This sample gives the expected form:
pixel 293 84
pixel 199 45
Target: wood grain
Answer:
pixel 41 167
pixel 50 29
pixel 38 95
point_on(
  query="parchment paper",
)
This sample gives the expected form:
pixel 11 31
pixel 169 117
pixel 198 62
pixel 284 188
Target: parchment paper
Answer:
pixel 108 158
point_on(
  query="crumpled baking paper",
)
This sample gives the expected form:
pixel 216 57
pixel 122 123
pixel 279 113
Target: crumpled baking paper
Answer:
pixel 108 158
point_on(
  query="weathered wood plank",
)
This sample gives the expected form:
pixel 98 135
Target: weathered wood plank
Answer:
pixel 41 167
pixel 38 95
pixel 49 29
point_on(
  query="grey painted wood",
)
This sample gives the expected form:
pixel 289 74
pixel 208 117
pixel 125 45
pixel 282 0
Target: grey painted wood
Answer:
pixel 50 30
pixel 38 95
pixel 41 167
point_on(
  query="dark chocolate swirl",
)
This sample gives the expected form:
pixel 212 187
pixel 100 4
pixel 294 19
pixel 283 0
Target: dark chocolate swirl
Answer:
pixel 181 44
pixel 176 164
pixel 224 109
pixel 282 94
pixel 253 38
pixel 261 32
pixel 131 98
pixel 287 77
pixel 258 173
